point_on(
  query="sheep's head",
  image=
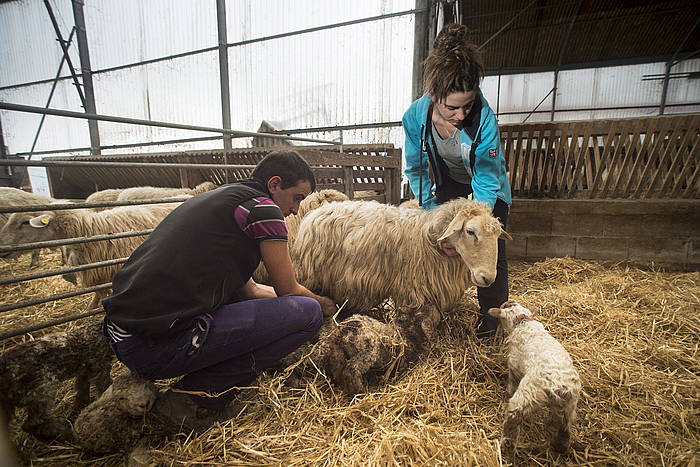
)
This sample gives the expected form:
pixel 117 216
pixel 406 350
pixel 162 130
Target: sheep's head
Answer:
pixel 510 314
pixel 473 234
pixel 134 396
pixel 27 227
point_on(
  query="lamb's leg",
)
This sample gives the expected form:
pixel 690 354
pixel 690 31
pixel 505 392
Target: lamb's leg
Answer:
pixel 82 393
pixel 512 384
pixel 562 413
pixel 41 425
pixel 103 379
pixel 519 406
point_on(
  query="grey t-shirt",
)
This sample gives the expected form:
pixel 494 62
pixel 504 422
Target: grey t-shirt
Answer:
pixel 450 149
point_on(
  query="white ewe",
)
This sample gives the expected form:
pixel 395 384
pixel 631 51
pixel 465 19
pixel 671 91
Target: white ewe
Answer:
pixel 311 202
pixel 364 252
pixel 540 375
pixel 53 225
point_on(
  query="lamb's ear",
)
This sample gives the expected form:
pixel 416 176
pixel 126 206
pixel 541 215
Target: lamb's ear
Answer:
pixel 495 312
pixel 505 235
pixel 456 225
pixel 40 222
pixel 519 318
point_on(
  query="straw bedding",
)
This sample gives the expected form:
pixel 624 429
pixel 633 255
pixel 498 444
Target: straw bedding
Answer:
pixel 634 336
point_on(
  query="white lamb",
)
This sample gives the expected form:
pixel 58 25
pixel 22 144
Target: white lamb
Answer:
pixel 540 375
pixel 114 422
pixel 70 223
pixel 16 197
pixel 365 252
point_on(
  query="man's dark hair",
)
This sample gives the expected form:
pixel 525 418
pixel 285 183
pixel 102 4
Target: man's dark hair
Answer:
pixel 288 165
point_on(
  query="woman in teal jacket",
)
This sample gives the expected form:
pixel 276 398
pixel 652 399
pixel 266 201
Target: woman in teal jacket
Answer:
pixel 453 147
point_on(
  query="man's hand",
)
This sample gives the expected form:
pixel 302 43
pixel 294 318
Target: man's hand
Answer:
pixel 327 306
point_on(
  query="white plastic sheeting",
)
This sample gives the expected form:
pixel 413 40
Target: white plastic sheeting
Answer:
pixel 359 73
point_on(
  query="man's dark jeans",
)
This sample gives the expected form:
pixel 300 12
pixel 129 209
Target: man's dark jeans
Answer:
pixel 225 349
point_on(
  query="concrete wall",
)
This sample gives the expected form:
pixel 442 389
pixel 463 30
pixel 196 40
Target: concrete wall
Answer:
pixel 666 232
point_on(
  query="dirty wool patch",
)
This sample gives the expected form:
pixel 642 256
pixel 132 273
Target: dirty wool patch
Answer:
pixel 634 336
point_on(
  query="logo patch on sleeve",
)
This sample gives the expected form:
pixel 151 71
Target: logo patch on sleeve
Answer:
pixel 493 153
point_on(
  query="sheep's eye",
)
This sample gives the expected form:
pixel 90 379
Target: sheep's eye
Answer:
pixel 25 222
pixel 471 232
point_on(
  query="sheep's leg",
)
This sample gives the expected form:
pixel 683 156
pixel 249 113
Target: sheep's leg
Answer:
pixel 97 298
pixel 34 263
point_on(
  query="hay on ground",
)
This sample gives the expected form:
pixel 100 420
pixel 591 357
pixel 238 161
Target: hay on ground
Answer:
pixel 633 335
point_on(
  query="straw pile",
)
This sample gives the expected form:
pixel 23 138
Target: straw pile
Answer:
pixel 633 335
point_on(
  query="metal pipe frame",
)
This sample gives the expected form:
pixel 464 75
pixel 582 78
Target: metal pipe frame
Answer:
pixel 505 26
pixel 137 165
pixel 83 52
pixel 538 105
pixel 223 71
pixel 58 272
pixel 671 63
pixel 53 298
pixel 65 206
pixel 561 58
pixel 72 241
pixel 135 121
pixel 359 126
pixel 48 324
pixel 595 109
pixel 64 48
pixel 233 44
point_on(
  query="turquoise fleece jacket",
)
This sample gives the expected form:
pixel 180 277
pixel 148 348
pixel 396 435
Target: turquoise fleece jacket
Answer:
pixel 489 180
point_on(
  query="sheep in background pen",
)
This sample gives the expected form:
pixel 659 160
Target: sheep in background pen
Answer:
pixel 70 223
pixel 153 192
pixel 104 196
pixel 144 192
pixel 308 204
pixel 540 375
pixel 361 347
pixel 365 252
pixel 16 197
pixel 114 422
pixel 30 373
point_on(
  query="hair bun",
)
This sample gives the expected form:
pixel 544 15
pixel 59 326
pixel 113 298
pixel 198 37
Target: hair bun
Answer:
pixel 452 36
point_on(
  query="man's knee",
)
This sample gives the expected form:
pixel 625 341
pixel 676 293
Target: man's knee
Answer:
pixel 309 312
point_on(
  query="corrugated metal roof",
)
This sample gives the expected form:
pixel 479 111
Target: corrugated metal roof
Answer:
pixel 601 32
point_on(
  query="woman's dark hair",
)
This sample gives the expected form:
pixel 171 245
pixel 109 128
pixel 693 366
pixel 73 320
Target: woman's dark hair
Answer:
pixel 453 65
pixel 288 165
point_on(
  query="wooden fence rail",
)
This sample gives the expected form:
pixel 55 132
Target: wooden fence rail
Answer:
pixel 635 158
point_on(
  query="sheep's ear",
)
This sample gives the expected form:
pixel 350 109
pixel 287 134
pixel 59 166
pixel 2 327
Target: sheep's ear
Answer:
pixel 495 312
pixel 505 235
pixel 40 222
pixel 455 226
